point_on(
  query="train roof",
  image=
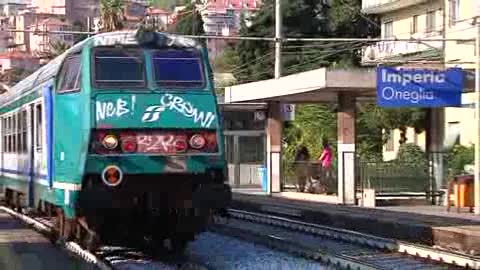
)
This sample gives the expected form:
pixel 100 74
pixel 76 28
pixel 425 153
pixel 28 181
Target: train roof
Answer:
pixel 49 70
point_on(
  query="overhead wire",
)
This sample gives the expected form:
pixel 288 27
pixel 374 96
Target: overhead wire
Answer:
pixel 297 66
pixel 330 52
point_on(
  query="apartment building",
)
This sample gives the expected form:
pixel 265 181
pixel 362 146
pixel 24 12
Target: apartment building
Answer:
pixel 12 7
pixel 405 19
pixel 40 39
pixel 21 60
pixel 460 23
pixel 425 19
pixel 222 18
pixel 83 11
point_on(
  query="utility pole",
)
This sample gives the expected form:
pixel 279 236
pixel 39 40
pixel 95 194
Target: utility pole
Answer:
pixel 477 116
pixel 278 39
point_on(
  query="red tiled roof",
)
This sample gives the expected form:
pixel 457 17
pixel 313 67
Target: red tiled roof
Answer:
pixel 14 54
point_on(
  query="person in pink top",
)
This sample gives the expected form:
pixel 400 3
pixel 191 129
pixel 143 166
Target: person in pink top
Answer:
pixel 326 157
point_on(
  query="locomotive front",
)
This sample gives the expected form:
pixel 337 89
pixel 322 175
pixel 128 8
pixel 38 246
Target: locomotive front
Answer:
pixel 155 164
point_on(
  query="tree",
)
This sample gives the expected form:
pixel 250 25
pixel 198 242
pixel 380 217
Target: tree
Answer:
pixel 80 27
pixel 300 18
pixel 12 76
pixel 57 47
pixel 189 21
pixel 226 61
pixel 306 18
pixel 111 15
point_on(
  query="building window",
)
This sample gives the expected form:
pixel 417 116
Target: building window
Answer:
pixel 453 132
pixel 388 29
pixel 415 24
pixel 454 11
pixel 389 146
pixel 430 21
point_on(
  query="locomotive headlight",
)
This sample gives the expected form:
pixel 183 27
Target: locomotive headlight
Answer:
pixel 110 142
pixel 112 176
pixel 197 141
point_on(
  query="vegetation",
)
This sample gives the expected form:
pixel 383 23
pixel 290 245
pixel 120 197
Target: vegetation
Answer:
pixel 309 19
pixel 226 61
pixel 80 27
pixel 412 154
pixel 111 15
pixel 458 157
pixel 255 61
pixel 57 47
pixel 189 21
pixel 12 76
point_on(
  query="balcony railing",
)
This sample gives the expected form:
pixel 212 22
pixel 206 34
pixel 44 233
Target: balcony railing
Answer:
pixel 387 49
pixel 382 6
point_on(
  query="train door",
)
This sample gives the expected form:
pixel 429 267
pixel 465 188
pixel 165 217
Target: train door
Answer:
pixel 28 138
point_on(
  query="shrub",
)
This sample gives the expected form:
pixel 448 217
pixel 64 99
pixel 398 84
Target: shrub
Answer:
pixel 458 157
pixel 411 153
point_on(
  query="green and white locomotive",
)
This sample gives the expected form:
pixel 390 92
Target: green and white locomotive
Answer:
pixel 120 135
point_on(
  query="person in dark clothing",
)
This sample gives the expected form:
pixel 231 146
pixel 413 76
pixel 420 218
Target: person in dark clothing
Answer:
pixel 302 157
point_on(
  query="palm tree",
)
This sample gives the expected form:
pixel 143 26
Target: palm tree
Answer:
pixel 111 15
pixel 57 47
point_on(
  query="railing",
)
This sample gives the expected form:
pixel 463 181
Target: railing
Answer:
pixel 385 49
pixel 308 176
pixel 395 177
pixel 380 6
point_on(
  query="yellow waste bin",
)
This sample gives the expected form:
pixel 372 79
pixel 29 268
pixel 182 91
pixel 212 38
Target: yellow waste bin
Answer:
pixel 463 193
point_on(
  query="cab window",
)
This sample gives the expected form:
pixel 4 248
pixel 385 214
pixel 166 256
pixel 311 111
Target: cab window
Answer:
pixel 70 74
pixel 176 68
pixel 118 68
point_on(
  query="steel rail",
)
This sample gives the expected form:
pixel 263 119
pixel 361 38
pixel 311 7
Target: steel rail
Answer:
pixel 72 247
pixel 103 259
pixel 416 250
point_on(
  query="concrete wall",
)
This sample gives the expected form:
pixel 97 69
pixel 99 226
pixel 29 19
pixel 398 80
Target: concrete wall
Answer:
pixel 403 20
pixel 461 28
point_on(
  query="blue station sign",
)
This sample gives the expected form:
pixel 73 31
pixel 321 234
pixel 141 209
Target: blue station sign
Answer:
pixel 398 87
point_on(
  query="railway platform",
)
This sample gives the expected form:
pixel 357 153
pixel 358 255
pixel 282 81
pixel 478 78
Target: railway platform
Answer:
pixel 22 248
pixel 427 225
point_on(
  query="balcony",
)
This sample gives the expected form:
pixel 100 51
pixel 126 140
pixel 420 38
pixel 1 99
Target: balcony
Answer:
pixel 389 50
pixel 383 6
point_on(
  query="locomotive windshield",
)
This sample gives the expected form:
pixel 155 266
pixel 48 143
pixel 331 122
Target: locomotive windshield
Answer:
pixel 174 68
pixel 119 68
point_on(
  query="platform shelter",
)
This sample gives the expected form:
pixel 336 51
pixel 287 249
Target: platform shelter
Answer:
pixel 339 87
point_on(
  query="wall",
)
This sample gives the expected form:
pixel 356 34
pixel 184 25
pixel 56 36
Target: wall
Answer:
pixel 50 6
pixel 403 19
pixel 465 118
pixel 462 28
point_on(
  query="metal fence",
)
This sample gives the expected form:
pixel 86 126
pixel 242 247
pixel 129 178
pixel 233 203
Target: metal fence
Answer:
pixel 308 176
pixel 414 177
pixel 394 177
pixel 427 176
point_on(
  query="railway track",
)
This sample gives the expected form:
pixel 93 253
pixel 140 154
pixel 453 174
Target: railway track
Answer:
pixel 107 257
pixel 342 248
